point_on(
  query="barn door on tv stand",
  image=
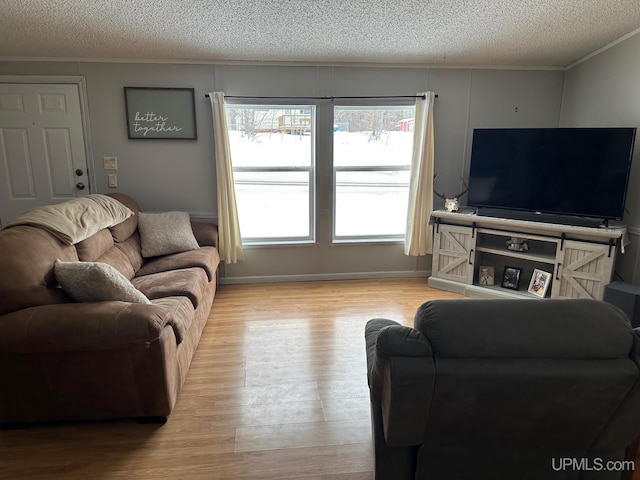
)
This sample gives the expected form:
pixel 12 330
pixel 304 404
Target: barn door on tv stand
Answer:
pixel 454 253
pixel 583 269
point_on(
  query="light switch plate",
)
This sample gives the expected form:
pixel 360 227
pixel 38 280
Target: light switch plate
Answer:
pixel 110 163
pixel 113 180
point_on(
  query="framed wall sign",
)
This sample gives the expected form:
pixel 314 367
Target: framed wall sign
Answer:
pixel 160 113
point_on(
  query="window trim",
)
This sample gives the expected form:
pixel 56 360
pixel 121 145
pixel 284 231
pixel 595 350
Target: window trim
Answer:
pixel 370 239
pixel 311 170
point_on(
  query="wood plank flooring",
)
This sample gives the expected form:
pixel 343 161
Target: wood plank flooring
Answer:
pixel 277 390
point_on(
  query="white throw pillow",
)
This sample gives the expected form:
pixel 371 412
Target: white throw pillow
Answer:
pixel 165 233
pixel 95 282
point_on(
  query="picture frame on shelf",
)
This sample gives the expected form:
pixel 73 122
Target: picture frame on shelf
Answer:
pixel 539 283
pixel 511 277
pixel 486 275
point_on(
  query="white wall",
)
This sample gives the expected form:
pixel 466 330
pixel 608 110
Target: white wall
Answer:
pixel 179 175
pixel 603 91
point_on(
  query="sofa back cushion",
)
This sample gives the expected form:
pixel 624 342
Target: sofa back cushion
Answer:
pixel 512 375
pixel 124 230
pixel 95 246
pixel 100 248
pixel 26 268
pixel 567 328
pixel 118 246
pixel 132 249
pixel 118 260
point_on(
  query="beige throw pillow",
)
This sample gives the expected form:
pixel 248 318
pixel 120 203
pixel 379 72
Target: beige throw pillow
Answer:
pixel 165 233
pixel 95 282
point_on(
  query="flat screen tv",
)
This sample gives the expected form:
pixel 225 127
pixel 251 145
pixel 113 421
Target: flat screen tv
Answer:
pixel 577 172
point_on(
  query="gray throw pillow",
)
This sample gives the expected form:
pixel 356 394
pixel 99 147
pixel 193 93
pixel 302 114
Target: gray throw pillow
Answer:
pixel 95 282
pixel 165 233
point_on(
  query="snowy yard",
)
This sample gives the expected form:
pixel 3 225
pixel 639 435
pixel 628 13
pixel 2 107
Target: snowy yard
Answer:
pixel 276 203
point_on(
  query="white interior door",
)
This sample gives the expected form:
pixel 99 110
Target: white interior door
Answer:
pixel 42 150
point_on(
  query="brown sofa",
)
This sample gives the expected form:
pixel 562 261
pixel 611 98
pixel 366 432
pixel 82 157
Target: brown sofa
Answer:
pixel 65 360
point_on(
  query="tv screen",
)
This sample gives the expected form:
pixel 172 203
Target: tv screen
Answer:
pixel 564 171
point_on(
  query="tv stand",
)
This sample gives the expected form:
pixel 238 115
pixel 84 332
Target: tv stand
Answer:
pixel 544 217
pixel 578 259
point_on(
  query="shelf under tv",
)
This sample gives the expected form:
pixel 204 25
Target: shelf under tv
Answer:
pixel 543 217
pixel 579 259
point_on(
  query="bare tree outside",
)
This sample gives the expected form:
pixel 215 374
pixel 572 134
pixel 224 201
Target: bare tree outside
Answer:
pixel 253 122
pixel 373 122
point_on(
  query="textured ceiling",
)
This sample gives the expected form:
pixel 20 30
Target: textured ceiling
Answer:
pixel 536 33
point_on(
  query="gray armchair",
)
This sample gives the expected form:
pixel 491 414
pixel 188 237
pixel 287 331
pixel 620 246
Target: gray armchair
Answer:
pixel 504 389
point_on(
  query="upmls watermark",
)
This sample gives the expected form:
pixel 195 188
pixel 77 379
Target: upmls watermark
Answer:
pixel 591 464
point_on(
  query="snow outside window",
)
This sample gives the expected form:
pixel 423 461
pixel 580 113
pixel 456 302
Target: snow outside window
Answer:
pixel 272 150
pixel 372 149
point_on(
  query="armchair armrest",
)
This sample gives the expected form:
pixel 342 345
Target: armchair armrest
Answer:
pixel 401 379
pixel 206 233
pixel 386 339
pixel 81 327
pixel 625 422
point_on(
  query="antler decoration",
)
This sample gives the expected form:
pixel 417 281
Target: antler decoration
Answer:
pixel 451 204
pixel 444 197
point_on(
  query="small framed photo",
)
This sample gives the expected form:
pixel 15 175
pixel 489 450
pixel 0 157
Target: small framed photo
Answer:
pixel 539 282
pixel 511 277
pixel 486 275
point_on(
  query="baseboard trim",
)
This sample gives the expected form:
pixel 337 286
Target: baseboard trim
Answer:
pixel 323 276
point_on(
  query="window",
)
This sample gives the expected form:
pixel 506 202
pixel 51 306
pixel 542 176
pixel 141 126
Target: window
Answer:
pixel 372 149
pixel 272 148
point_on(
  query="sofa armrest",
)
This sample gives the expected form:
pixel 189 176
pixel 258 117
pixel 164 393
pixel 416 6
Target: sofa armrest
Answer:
pixel 206 233
pixel 81 327
pixel 401 379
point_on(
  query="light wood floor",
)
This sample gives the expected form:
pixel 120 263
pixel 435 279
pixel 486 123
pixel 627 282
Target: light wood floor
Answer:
pixel 277 390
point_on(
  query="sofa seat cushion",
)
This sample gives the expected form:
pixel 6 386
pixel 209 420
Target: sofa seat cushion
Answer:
pixel 186 282
pixel 206 258
pixel 180 311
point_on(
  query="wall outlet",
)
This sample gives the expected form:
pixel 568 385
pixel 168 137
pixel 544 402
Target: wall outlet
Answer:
pixel 110 163
pixel 113 180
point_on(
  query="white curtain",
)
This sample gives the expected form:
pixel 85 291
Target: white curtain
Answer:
pixel 419 240
pixel 230 240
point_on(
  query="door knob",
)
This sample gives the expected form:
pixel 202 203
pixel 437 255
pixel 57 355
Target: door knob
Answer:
pixel 80 186
pixel 79 172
